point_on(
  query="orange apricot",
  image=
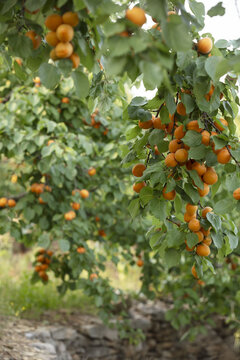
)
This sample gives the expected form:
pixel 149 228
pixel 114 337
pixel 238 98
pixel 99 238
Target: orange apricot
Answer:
pixel 65 33
pixel 36 39
pixel 179 132
pixel 236 194
pixel 194 225
pixel 169 195
pixel 174 145
pixel 181 110
pixel 223 157
pixel 139 186
pixel 207 241
pixel 194 272
pixel 210 177
pixel 75 60
pixel 206 210
pixel 203 250
pixel 92 171
pixel 3 202
pixel 170 160
pixel 223 122
pixel 188 217
pixel 70 18
pixel 203 192
pixel 193 125
pixel 51 38
pixel 75 206
pixel 63 50
pixel 157 124
pixel 136 15
pixel 84 193
pixel 191 209
pixel 138 170
pixel 205 137
pixel 199 168
pixel 53 21
pixel 181 155
pixel 205 45
pixel 140 262
pixel 70 215
pixel 11 203
pixel 145 124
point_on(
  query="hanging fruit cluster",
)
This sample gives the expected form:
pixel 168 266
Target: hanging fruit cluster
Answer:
pixel 42 262
pixel 61 35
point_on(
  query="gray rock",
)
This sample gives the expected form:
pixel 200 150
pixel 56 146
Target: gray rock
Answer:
pixel 40 333
pixel 50 348
pixel 79 340
pixel 141 323
pixel 95 331
pixel 64 333
pixel 110 334
pixel 99 352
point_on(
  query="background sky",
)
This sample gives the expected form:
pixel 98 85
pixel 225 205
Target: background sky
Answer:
pixel 221 27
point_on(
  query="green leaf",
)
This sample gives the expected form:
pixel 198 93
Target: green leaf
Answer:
pixel 64 245
pixel 49 75
pixel 79 5
pixel 172 257
pixel 233 239
pixel 192 138
pixel 156 137
pixel 156 240
pixel 221 44
pixel 134 207
pixel 188 102
pixel 192 193
pixel 176 34
pixel 215 221
pixel 175 238
pixel 223 206
pixel 198 152
pixel 194 175
pixel 20 45
pixel 217 10
pixel 28 213
pixel 216 67
pixel 198 10
pixel 44 240
pixel 192 240
pixel 217 238
pixel 132 132
pixel 138 101
pixel 219 143
pixel 81 84
pixel 8 5
pixel 33 5
pixel 158 208
pixel 152 74
pixel 146 195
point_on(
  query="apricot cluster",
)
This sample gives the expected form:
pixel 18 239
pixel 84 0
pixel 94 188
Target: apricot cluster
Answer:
pixel 39 188
pixel 94 123
pixel 4 202
pixel 61 35
pixel 70 215
pixel 43 260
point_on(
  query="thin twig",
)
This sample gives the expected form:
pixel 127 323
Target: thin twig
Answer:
pixel 172 221
pixel 159 110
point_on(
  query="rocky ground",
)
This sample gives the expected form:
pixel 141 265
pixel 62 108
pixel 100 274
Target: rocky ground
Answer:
pixel 74 336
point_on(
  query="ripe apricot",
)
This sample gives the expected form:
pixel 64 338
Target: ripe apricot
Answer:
pixel 181 110
pixel 203 250
pixel 48 188
pixel 191 209
pixel 51 38
pixel 200 236
pixel 157 124
pixel 188 248
pixel 205 232
pixel 50 142
pixel 205 137
pixel 170 160
pixel 199 168
pixel 63 50
pixel 181 155
pixel 70 18
pixel 97 218
pixel 207 241
pixel 223 122
pixel 223 157
pixel 174 145
pixel 53 55
pixel 75 60
pixel 102 233
pixel 41 201
pixel 14 179
pixel 236 194
pixel 210 177
pixel 70 215
pixel 138 170
pixel 194 225
pixel 209 94
pixel 124 34
pixel 205 45
pixel 92 171
pixel 206 210
pixel 140 262
pixel 145 124
pixel 18 61
pixel 138 186
pixel 201 282
pixel 75 206
pixel 65 100
pixel 189 164
pixel 37 268
pixel 194 272
pixel 81 250
pixel 179 132
pixel 106 131
pixel 93 276
pixel 203 192
pixel 44 267
pixel 40 258
pixel 136 15
pixel 170 127
pixel 188 217
pixel 65 33
pixel 50 253
pixel 84 193
pixel 53 21
pixel 156 26
pixel 169 195
pixel 156 151
pixel 41 251
pixel 193 125
pixel 36 39
pixel 43 275
pixel 3 202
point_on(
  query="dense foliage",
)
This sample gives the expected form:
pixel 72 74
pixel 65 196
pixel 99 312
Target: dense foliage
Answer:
pixel 65 134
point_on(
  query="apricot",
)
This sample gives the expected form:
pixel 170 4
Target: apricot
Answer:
pixel 199 168
pixel 36 39
pixel 65 100
pixel 181 155
pixel 3 202
pixel 203 192
pixel 223 157
pixel 200 236
pixel 209 94
pixel 179 132
pixel 188 248
pixel 188 217
pixel 140 262
pixel 175 145
pixel 156 151
pixel 51 38
pixel 93 276
pixel 53 55
pixel 70 18
pixel 191 209
pixel 205 232
pixel 194 225
pixel 43 275
pixel 139 186
pixel 70 215
pixel 92 171
pixel 203 250
pixel 223 122
pixel 236 194
pixel 124 34
pixel 169 195
pixel 210 177
pixel 170 160
pixel 75 206
pixel 65 33
pixel 205 45
pixel 145 124
pixel 207 241
pixel 138 170
pixel 193 125
pixel 81 250
pixel 181 110
pixel 206 210
pixel 194 272
pixel 102 233
pixel 205 137
pixel 157 124
pixel 53 21
pixel 84 193
pixel 14 179
pixel 18 61
pixel 63 50
pixel 41 201
pixel 136 15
